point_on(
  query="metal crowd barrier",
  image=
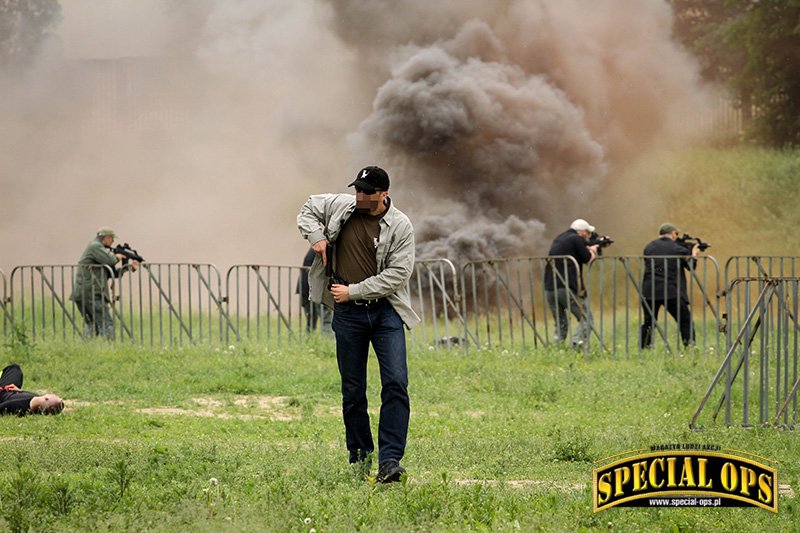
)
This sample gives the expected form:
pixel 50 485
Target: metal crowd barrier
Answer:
pixel 742 295
pixel 39 301
pixel 171 303
pixel 504 302
pixel 484 304
pixel 434 290
pixel 264 301
pixel 4 303
pixel 622 307
pixel 757 380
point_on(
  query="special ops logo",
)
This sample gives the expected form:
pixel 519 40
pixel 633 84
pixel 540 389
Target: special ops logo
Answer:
pixel 685 475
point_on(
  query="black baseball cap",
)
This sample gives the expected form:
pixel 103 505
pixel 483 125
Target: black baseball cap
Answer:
pixel 372 178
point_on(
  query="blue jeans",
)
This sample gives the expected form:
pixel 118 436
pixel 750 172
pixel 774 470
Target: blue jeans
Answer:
pixel 355 327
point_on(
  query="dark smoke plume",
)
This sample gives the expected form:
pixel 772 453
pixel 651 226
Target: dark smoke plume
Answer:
pixel 514 113
pixel 508 146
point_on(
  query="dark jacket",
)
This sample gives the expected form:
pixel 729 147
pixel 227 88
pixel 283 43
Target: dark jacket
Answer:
pixel 571 244
pixel 665 279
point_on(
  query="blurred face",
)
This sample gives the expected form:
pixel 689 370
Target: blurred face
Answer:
pixel 672 235
pixel 107 240
pixel 370 201
pixel 585 234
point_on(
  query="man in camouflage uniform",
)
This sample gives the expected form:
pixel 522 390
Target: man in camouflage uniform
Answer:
pixel 90 291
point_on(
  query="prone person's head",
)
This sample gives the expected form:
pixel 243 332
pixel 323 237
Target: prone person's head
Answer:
pixel 48 404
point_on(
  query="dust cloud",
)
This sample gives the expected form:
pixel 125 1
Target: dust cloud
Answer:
pixel 197 128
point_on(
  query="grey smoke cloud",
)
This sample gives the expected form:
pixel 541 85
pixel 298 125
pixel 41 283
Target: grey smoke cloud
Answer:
pixel 496 120
pixel 485 133
pixel 522 109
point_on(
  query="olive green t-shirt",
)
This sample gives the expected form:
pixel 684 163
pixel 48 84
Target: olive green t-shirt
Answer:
pixel 355 248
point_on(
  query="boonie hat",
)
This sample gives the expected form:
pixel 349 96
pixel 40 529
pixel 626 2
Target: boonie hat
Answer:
pixel 581 225
pixel 666 228
pixel 105 231
pixel 372 178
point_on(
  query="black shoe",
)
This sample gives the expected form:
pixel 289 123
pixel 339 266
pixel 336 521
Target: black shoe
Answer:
pixel 389 471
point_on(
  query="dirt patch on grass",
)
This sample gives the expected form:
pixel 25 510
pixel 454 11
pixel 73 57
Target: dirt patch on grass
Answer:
pixel 525 483
pixel 199 412
pixel 255 408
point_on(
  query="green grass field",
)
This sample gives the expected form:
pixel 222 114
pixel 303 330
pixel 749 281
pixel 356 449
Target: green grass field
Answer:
pixel 251 439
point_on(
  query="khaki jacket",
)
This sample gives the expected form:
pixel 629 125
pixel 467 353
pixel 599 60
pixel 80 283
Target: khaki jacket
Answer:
pixel 91 277
pixel 323 216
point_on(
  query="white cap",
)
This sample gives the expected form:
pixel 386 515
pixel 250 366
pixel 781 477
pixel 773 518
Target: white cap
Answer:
pixel 580 225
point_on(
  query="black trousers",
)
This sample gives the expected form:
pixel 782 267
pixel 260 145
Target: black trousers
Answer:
pixel 11 375
pixel 678 308
pixel 13 402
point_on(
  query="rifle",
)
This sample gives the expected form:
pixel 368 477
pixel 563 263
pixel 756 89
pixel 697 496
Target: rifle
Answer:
pixel 601 241
pixel 687 241
pixel 129 253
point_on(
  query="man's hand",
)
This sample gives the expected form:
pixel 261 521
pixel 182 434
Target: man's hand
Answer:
pixel 341 293
pixel 696 250
pixel 593 250
pixel 134 264
pixel 319 247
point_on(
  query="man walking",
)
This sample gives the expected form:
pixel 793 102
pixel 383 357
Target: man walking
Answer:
pixel 372 262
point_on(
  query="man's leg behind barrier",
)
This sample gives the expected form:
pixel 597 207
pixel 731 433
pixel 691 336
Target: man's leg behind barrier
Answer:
pixel 580 309
pixel 558 307
pixel 326 317
pixel 11 375
pixel 87 312
pixel 104 325
pixel 650 315
pixel 306 306
pixel 679 309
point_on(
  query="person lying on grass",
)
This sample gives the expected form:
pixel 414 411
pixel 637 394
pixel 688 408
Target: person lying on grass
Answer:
pixel 15 401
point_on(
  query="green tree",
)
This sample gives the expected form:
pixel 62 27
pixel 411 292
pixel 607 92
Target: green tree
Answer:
pixel 753 46
pixel 24 27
